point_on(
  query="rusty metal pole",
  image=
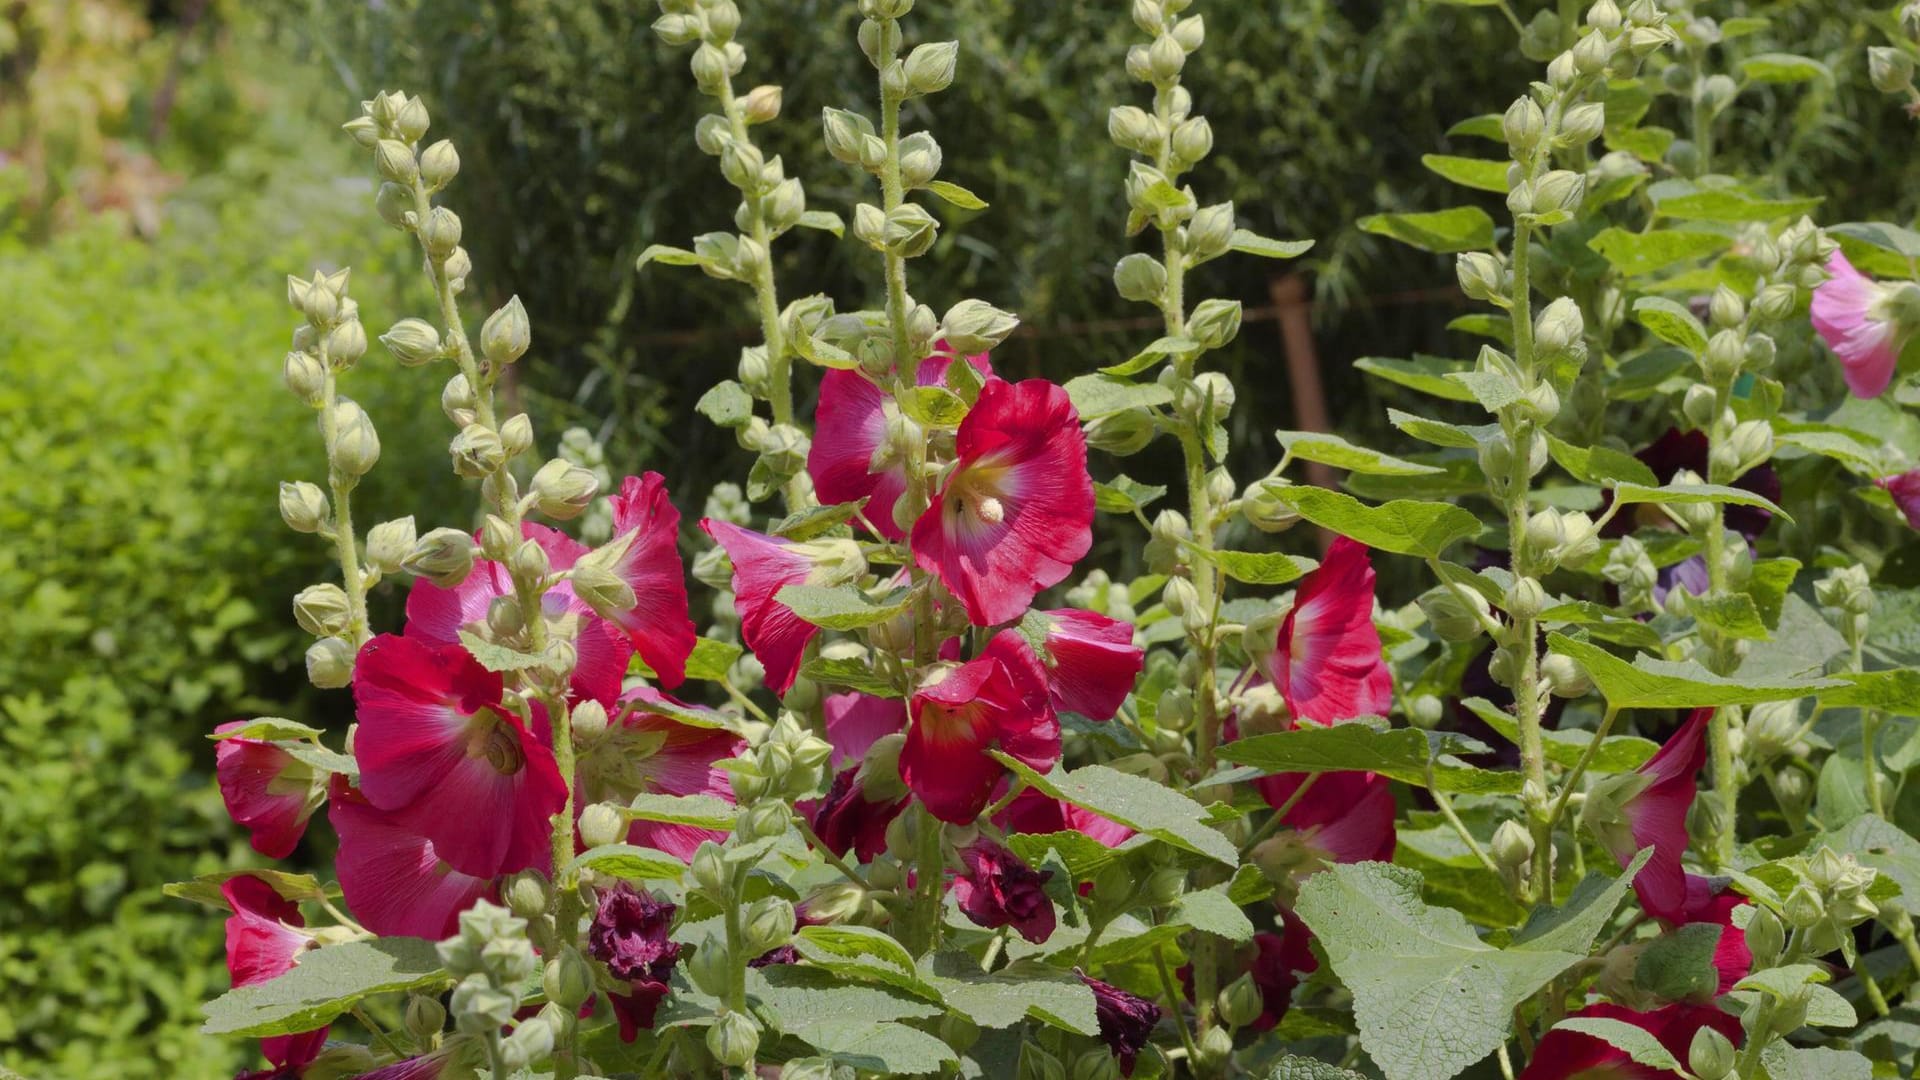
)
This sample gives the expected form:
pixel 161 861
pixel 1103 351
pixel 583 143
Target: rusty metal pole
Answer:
pixel 1294 305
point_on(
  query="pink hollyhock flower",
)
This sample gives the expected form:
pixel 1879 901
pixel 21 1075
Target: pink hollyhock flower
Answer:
pixel 657 623
pixel 630 935
pixel 1092 662
pixel 424 1067
pixel 762 566
pixel 1563 1054
pixel 856 721
pixel 998 700
pixel 1853 314
pixel 436 615
pixel 999 890
pixel 391 875
pixel 1327 660
pixel 264 940
pixel 266 790
pixel 1905 489
pixel 1032 811
pixel 1649 808
pixel 650 749
pixel 435 745
pixel 1017 510
pixel 1346 816
pixel 850 459
pixel 1126 1020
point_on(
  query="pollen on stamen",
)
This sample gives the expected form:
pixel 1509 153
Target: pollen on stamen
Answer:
pixel 990 511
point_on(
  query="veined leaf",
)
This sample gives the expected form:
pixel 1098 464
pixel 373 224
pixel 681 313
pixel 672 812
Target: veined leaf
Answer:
pixel 1636 253
pixel 1133 801
pixel 1102 395
pixel 1663 684
pixel 1327 449
pixel 1402 754
pixel 1445 232
pixel 1403 526
pixel 1480 174
pixel 842 607
pixel 1251 243
pixel 1427 374
pixel 323 985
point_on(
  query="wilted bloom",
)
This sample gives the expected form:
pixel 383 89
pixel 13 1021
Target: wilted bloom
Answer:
pixel 630 935
pixel 850 458
pixel 392 876
pixel 1017 510
pixel 998 700
pixel 1563 1054
pixel 1126 1020
pixel 1092 662
pixel 436 746
pixel 999 890
pixel 1648 808
pixel 263 940
pixel 658 745
pixel 762 566
pixel 266 790
pixel 1327 660
pixel 1905 489
pixel 1862 323
pixel 658 624
pixel 1034 811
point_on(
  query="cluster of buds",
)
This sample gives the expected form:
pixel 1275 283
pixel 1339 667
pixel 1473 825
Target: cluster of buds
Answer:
pixel 1891 67
pixel 1847 595
pixel 492 959
pixel 786 764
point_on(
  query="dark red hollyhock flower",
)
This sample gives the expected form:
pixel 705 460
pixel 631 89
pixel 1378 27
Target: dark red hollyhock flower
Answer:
pixel 1092 662
pixel 1126 1020
pixel 1677 450
pixel 998 700
pixel 1034 811
pixel 999 890
pixel 264 938
pixel 845 821
pixel 1563 1054
pixel 266 791
pixel 629 935
pixel 1648 808
pixel 1905 489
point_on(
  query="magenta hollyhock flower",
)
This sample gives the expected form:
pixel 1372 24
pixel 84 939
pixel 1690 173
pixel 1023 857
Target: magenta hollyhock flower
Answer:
pixel 1563 1054
pixel 1327 660
pixel 424 1067
pixel 998 700
pixel 1648 808
pixel 1850 310
pixel 435 745
pixel 630 935
pixel 1126 1020
pixel 762 566
pixel 1092 662
pixel 392 877
pixel 1033 811
pixel 264 940
pixel 1016 512
pixel 436 615
pixel 845 820
pixel 266 790
pixel 849 459
pixel 1347 816
pixel 650 748
pixel 1905 489
pixel 658 624
pixel 856 721
pixel 999 890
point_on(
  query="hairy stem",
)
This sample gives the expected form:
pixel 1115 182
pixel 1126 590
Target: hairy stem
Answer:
pixel 345 541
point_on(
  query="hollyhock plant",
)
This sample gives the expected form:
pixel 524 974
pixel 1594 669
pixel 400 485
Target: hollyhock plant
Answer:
pixel 650 749
pixel 1864 322
pixel 999 890
pixel 390 873
pixel 1092 662
pixel 267 790
pixel 1905 490
pixel 1016 512
pixel 1648 808
pixel 629 935
pixel 762 566
pixel 1126 1020
pixel 851 457
pixel 264 940
pixel 1565 1054
pixel 999 700
pixel 436 746
pixel 1327 660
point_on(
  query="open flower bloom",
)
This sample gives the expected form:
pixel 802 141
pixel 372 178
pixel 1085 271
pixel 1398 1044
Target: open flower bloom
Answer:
pixel 1855 315
pixel 762 566
pixel 1326 660
pixel 998 700
pixel 423 1067
pixel 650 748
pixel 630 935
pixel 1563 1054
pixel 847 820
pixel 657 624
pixel 851 458
pixel 436 746
pixel 264 940
pixel 856 721
pixel 1905 489
pixel 267 791
pixel 1344 817
pixel 391 875
pixel 999 890
pixel 1034 811
pixel 1092 662
pixel 1017 510
pixel 1126 1020
pixel 1648 808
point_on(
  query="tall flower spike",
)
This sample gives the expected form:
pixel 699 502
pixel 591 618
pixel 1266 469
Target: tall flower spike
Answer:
pixel 1017 511
pixel 267 791
pixel 657 623
pixel 391 875
pixel 1327 660
pixel 435 745
pixel 1649 808
pixel 999 701
pixel 1092 662
pixel 850 458
pixel 762 566
pixel 1854 314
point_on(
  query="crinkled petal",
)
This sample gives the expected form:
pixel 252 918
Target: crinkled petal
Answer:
pixel 762 566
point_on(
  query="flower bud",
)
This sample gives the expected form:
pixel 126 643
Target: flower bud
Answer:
pixel 562 490
pixel 1726 352
pixel 1240 1002
pixel 975 326
pixel 1140 277
pixel 1591 52
pixel 920 160
pixel 330 663
pixel 733 1039
pixel 1454 615
pixel 1122 433
pixel 1890 69
pixel 477 451
pixel 412 120
pixel 1133 128
pixel 761 104
pixel 930 66
pixel 356 446
pixel 1564 676
pixel 1165 58
pixel 1525 599
pixel 1803 907
pixel 1582 124
pixel 1180 596
pixel 346 344
pixel 1766 937
pixel 443 556
pixel 395 162
pixel 1192 139
pixel 1163 550
pixel 305 377
pixel 1710 1056
pixel 303 506
pixel 1559 190
pixel 388 544
pixel 505 336
pixel 1559 326
pixel 909 230
pixel 439 164
pixel 1480 274
pixel 602 824
pixel 412 342
pixel 1426 711
pixel 1581 540
pixel 769 924
pixel 1214 323
pixel 364 130
pixel 457 266
pixel 516 434
pixel 1264 509
pixel 425 1017
pixel 588 720
pixel 1524 125
pixel 528 561
pixel 1726 308
pixel 1700 405
pixel 322 610
pixel 1512 845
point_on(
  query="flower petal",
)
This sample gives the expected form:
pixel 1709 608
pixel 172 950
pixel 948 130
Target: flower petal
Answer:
pixel 658 623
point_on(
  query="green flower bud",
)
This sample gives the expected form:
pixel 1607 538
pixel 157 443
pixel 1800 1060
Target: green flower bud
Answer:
pixel 710 871
pixel 356 446
pixel 1454 615
pixel 1727 309
pixel 1140 277
pixel 1122 433
pixel 930 67
pixel 1192 139
pixel 1163 550
pixel 478 1007
pixel 1559 326
pixel 845 131
pixel 1710 1056
pixel 1426 711
pixel 769 924
pixel 364 130
pixel 909 230
pixel 1481 276
pixel 322 610
pixel 1210 232
pixel 1037 1064
pixel 1165 58
pixel 457 266
pixel 395 162
pixel 505 336
pixel 1804 907
pixel 1604 15
pixel 762 104
pixel 734 1039
pixel 1559 190
pixel 412 342
pixel 1591 53
pixel 303 506
pixel 1766 937
pixel 1214 323
pixel 1564 676
pixel 1561 70
pixel 1264 509
pixel 439 164
pixel 1582 124
pixel 723 19
pixel 389 543
pixel 1525 598
pixel 1512 846
pixel 412 120
pixel 920 160
pixel 443 556
pixel 425 1017
pixel 477 451
pixel 1726 352
pixel 741 163
pixel 1239 1003
pixel 1524 126
pixel 1133 128
pixel 602 824
pixel 516 434
pixel 563 490
pixel 1179 596
pixel 330 663
pixel 1700 405
pixel 305 377
pixel 346 344
pixel 528 561
pixel 709 67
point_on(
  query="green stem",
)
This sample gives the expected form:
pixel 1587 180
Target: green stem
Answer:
pixel 1171 989
pixel 1279 815
pixel 1524 634
pixel 1747 1065
pixel 1869 727
pixel 1572 782
pixel 931 868
pixel 813 840
pixel 1446 811
pixel 346 542
pixel 736 945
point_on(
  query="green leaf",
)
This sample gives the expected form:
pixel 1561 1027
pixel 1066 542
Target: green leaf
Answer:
pixel 1663 684
pixel 1430 997
pixel 324 984
pixel 1860 453
pixel 957 195
pixel 1010 995
pixel 269 729
pixel 1636 253
pixel 710 659
pixel 727 404
pixel 1133 801
pixel 1484 126
pixel 1479 174
pixel 936 406
pixel 1671 323
pixel 1290 1067
pixel 1631 1039
pixel 853 674
pixel 1566 746
pixel 1445 232
pixel 1335 451
pixel 1784 1061
pixel 1678 965
pixel 1256 568
pixel 205 889
pixel 885 1048
pixel 1803 642
pixel 1212 912
pixel 1153 354
pixel 1600 465
pixel 669 256
pixel 1455 436
pixel 816 350
pixel 816 521
pixel 1901 241
pixel 1401 753
pixel 1686 201
pixel 1427 374
pixel 802 998
pixel 1403 526
pixel 1784 68
pixel 1083 855
pixel 498 657
pixel 1895 690
pixel 319 757
pixel 1732 614
pixel 699 811
pixel 841 607
pixel 1491 389
pixel 864 953
pixel 627 862
pixel 1103 395
pixel 824 220
pixel 1695 493
pixel 1124 495
pixel 1251 243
